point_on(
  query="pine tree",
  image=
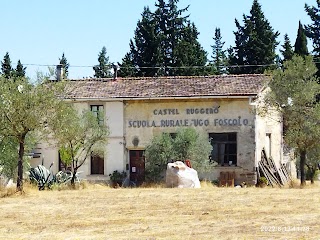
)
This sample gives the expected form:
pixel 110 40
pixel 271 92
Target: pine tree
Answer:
pixel 127 68
pixel 20 70
pixel 218 54
pixel 255 43
pixel 300 47
pixel 170 22
pixel 286 50
pixel 180 50
pixel 145 47
pixel 190 57
pixel 64 62
pixel 165 43
pixel 102 70
pixel 6 67
pixel 313 31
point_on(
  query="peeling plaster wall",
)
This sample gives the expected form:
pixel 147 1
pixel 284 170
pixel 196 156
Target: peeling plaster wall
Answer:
pixel 144 119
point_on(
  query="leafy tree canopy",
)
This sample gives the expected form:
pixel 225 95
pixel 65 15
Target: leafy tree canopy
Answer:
pixel 312 31
pixel 77 136
pixel 25 109
pixel 293 92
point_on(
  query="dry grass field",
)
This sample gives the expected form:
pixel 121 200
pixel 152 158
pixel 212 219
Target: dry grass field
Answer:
pixel 100 212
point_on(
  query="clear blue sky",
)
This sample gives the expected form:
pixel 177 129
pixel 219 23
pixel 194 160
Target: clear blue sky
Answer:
pixel 38 31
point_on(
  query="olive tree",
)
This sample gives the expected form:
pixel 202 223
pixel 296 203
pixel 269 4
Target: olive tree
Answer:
pixel 77 135
pixel 293 93
pixel 25 109
pixel 185 144
pixel 9 154
pixel 8 157
pixel 313 163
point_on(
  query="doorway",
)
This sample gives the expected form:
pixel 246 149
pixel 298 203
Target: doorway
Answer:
pixel 137 166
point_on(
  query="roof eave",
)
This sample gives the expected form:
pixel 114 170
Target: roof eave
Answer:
pixel 230 96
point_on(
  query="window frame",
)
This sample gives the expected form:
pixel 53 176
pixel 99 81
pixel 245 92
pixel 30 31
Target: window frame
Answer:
pixel 99 113
pixel 229 155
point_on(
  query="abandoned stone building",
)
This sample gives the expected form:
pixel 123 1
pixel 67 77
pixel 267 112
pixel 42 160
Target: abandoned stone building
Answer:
pixel 136 109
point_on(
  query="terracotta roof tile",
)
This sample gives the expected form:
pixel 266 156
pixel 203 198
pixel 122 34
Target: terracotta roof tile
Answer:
pixel 228 85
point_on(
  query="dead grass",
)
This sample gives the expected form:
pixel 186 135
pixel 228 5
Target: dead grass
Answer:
pixel 100 212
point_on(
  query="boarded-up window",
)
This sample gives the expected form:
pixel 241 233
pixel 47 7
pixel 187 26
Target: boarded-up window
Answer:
pixel 97 164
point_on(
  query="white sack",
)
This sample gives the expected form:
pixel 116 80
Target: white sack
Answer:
pixel 181 176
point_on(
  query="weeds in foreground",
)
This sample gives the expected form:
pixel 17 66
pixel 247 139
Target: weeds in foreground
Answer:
pixel 7 192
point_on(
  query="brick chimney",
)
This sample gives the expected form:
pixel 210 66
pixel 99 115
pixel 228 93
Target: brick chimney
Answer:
pixel 115 71
pixel 59 72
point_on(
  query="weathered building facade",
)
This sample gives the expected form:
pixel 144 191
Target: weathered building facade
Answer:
pixel 222 107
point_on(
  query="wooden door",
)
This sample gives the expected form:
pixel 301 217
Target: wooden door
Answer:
pixel 137 166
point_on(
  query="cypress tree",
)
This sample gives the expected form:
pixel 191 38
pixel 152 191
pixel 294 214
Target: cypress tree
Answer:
pixel 300 47
pixel 6 67
pixel 64 62
pixel 20 70
pixel 255 43
pixel 218 54
pixel 102 70
pixel 286 50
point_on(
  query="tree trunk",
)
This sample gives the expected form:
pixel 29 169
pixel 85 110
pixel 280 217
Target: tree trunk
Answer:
pixel 303 154
pixel 73 184
pixel 313 171
pixel 20 165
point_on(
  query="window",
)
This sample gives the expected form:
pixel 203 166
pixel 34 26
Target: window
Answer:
pixel 224 148
pixel 97 110
pixel 97 164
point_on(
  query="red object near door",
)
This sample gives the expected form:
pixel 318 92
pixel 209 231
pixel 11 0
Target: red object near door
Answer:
pixel 188 163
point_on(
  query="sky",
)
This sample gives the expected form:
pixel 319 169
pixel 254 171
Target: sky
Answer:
pixel 37 32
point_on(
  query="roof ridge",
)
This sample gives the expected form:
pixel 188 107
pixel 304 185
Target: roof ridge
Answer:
pixel 168 77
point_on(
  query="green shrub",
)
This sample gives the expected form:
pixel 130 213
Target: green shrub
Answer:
pixel 117 177
pixel 262 181
pixel 187 144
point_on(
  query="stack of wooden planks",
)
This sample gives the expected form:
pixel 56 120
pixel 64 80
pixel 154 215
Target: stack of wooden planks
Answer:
pixel 274 175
